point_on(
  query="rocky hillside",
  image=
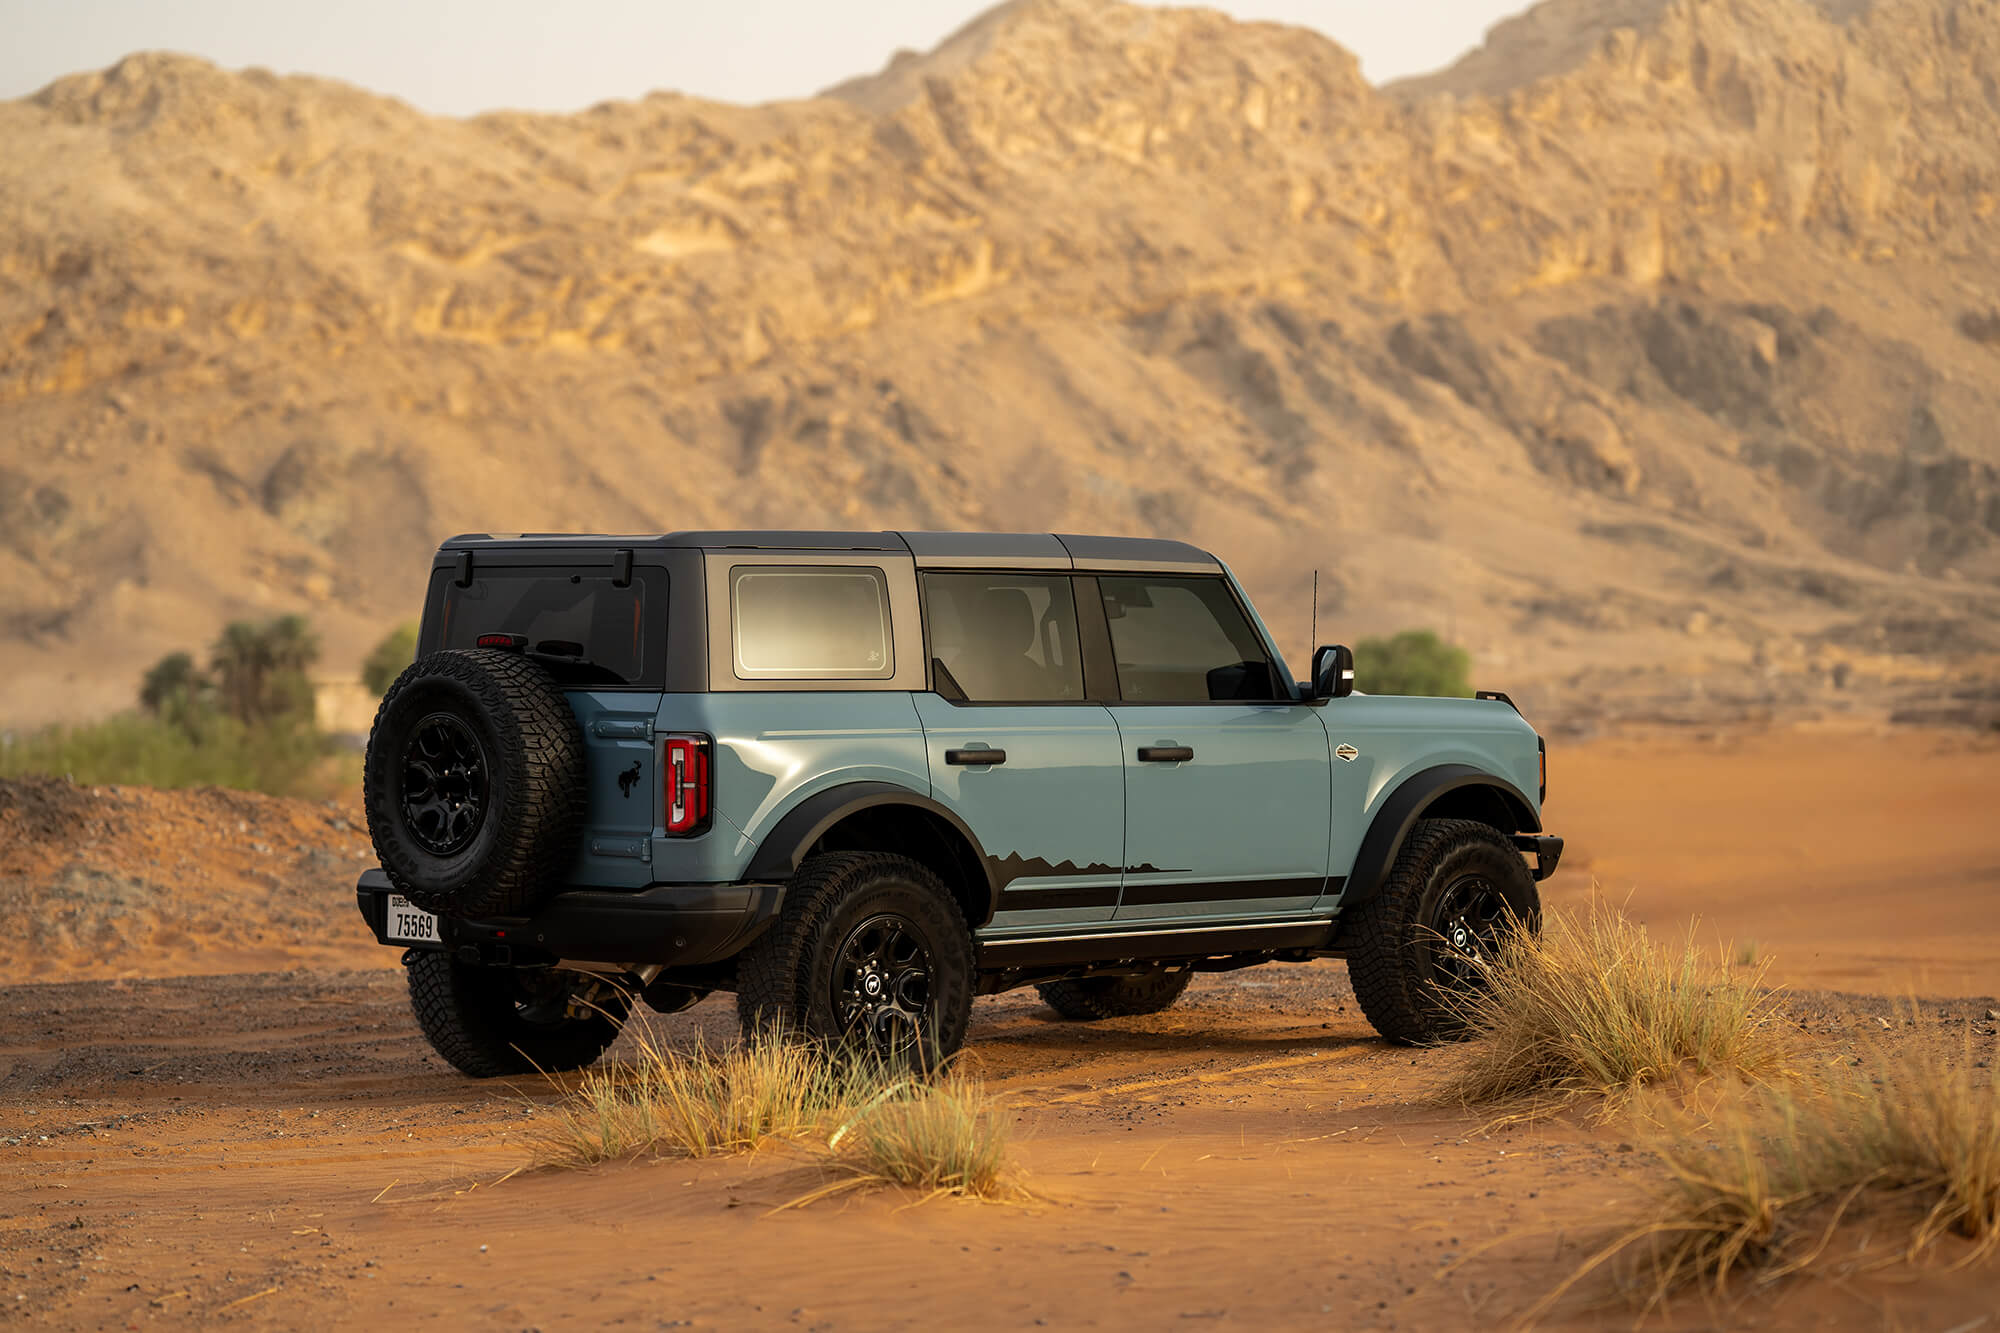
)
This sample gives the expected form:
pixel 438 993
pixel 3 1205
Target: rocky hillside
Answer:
pixel 1654 348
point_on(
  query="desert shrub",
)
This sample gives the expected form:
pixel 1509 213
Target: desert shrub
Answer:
pixel 387 659
pixel 1592 1005
pixel 699 1102
pixel 174 688
pixel 942 1136
pixel 1911 1145
pixel 1416 662
pixel 142 750
pixel 883 1124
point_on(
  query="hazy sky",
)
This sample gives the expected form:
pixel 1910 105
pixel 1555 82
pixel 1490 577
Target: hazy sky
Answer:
pixel 462 56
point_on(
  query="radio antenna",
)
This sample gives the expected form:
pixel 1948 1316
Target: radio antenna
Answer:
pixel 1312 644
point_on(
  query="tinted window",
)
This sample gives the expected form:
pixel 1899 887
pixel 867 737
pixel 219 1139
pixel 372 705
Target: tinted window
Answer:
pixel 1183 640
pixel 578 625
pixel 810 623
pixel 1005 637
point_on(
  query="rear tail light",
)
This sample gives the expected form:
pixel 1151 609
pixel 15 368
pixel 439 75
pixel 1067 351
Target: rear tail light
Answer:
pixel 686 799
pixel 1542 749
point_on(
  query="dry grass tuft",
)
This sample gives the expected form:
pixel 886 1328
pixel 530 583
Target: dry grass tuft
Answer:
pixel 700 1102
pixel 945 1136
pixel 1919 1139
pixel 1594 1006
pixel 884 1124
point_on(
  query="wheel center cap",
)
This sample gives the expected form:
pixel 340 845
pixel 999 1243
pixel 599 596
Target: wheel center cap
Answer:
pixel 872 984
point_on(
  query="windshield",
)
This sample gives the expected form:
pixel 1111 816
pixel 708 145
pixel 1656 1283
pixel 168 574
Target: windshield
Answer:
pixel 578 624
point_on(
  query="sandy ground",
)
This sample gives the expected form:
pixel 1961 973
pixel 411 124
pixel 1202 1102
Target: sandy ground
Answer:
pixel 1864 860
pixel 282 1150
pixel 279 1148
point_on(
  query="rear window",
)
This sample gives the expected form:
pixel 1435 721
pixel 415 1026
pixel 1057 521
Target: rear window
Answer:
pixel 810 623
pixel 578 624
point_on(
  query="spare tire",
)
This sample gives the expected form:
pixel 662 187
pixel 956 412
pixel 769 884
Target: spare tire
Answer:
pixel 475 783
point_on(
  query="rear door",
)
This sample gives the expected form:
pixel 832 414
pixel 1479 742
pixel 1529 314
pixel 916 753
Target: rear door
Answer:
pixel 1018 752
pixel 1226 777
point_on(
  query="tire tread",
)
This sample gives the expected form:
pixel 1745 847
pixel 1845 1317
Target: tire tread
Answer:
pixel 1381 964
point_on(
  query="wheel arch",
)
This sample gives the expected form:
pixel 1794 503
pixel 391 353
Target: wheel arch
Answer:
pixel 1446 791
pixel 882 816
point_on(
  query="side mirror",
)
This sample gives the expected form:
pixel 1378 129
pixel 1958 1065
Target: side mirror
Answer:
pixel 1333 671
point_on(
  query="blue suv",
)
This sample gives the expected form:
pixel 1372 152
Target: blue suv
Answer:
pixel 860 778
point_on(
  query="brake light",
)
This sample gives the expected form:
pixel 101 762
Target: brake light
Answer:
pixel 514 641
pixel 686 799
pixel 1542 749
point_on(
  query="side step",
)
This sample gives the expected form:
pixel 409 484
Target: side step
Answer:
pixel 1117 946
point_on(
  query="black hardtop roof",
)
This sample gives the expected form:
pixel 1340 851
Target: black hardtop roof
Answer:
pixel 1041 550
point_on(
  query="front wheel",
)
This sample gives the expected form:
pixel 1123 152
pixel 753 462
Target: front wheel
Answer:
pixel 870 951
pixel 1418 949
pixel 493 1021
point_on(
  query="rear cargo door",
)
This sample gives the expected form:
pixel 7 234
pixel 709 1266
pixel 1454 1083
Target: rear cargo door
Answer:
pixel 617 841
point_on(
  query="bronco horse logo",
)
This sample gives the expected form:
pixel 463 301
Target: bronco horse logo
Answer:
pixel 628 780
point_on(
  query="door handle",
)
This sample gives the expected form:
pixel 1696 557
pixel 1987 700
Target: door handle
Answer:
pixel 975 756
pixel 1165 754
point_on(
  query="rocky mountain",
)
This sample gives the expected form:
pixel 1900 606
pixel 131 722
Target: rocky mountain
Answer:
pixel 1653 350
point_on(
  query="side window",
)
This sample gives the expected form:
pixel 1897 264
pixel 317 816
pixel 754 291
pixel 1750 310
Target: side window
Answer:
pixel 1182 641
pixel 810 623
pixel 1005 637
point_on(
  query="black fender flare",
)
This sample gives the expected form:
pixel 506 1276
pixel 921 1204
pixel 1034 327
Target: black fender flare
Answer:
pixel 1407 804
pixel 792 837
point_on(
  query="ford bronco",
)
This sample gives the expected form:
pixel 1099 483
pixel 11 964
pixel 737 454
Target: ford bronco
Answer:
pixel 860 778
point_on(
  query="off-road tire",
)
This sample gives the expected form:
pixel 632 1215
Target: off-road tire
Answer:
pixel 535 786
pixel 473 1018
pixel 1085 999
pixel 1391 937
pixel 784 981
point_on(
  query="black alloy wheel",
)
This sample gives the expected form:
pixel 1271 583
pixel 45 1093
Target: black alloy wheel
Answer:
pixel 445 778
pixel 870 954
pixel 1423 943
pixel 1470 919
pixel 882 986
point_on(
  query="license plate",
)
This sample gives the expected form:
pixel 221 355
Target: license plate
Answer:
pixel 410 923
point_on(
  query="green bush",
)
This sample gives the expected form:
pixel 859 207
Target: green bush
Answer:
pixel 1416 661
pixel 141 750
pixel 386 662
pixel 247 722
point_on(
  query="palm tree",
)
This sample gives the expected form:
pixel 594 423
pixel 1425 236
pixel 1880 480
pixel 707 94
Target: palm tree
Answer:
pixel 260 670
pixel 240 661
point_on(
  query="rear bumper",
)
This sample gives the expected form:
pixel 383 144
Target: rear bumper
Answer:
pixel 674 925
pixel 1545 848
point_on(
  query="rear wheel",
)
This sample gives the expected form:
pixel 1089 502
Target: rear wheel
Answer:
pixel 870 951
pixel 1417 949
pixel 493 1021
pixel 1088 998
